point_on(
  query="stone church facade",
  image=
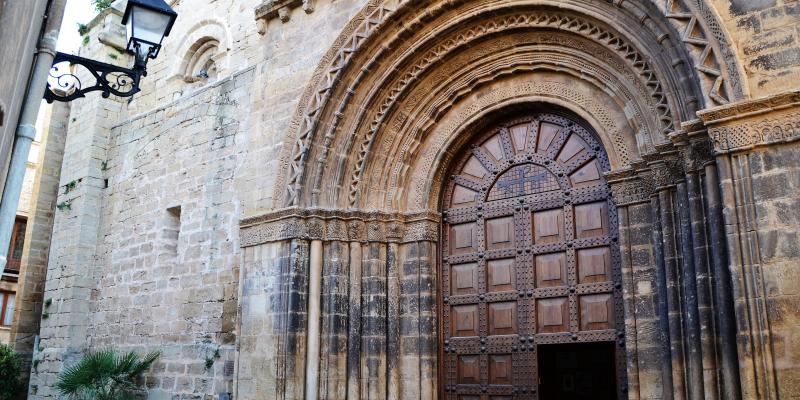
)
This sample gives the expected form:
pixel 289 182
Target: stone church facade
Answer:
pixel 456 199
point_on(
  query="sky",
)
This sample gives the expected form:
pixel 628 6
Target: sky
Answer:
pixel 77 11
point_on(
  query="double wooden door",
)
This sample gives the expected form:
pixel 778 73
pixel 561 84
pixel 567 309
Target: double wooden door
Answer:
pixel 529 257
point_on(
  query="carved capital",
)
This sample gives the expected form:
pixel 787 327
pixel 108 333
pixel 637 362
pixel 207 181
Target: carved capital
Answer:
pixel 339 225
pixel 631 190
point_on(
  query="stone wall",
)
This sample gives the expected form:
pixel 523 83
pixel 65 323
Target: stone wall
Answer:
pixel 767 39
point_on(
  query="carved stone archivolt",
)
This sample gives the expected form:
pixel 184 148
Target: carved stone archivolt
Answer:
pixel 414 46
pixel 338 225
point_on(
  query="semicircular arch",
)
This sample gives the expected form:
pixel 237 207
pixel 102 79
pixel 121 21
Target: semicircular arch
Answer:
pixel 349 81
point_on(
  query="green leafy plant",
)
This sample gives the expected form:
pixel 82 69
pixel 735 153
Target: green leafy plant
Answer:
pixel 48 303
pixel 70 186
pixel 45 315
pixel 64 205
pixel 101 5
pixel 113 56
pixel 85 42
pixel 83 29
pixel 210 360
pixel 105 375
pixel 10 373
pixel 104 165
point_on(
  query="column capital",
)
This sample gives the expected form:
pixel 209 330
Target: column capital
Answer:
pixel 339 225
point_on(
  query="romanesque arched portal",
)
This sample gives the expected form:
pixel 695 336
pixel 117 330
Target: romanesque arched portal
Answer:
pixel 389 278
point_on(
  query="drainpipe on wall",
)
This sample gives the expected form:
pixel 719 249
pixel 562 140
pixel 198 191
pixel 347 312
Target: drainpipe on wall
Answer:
pixel 26 130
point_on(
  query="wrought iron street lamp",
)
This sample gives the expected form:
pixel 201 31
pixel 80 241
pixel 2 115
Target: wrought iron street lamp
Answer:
pixel 148 22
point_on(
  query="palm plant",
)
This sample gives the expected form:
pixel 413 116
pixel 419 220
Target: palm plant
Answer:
pixel 105 375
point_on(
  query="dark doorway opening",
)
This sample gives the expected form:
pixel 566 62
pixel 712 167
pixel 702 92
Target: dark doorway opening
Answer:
pixel 577 371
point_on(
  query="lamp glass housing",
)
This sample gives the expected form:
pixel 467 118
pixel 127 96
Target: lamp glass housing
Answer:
pixel 147 23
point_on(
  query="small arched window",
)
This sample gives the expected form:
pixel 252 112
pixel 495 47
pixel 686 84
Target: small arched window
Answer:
pixel 200 62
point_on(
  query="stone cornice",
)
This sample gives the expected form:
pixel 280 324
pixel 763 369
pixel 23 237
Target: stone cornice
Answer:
pixel 280 9
pixel 342 225
pixel 749 108
pixel 748 124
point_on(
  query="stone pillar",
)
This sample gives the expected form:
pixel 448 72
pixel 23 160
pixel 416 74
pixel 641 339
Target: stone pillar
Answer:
pixel 314 316
pixel 335 309
pixel 354 318
pixel 670 251
pixel 373 316
pixel 695 149
pixel 756 143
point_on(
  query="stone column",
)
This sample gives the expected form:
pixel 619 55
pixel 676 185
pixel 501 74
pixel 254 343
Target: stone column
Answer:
pixel 724 314
pixel 335 311
pixel 670 251
pixel 354 317
pixel 373 315
pixel 695 149
pixel 314 316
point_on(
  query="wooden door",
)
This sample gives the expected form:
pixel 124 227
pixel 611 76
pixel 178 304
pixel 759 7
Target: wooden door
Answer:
pixel 529 257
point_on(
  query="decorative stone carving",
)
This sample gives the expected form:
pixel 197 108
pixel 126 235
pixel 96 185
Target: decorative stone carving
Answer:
pixel 295 223
pixel 281 8
pixel 629 186
pixel 743 126
pixel 355 230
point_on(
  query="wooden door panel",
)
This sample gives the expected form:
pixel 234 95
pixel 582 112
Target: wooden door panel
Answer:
pixel 500 275
pixel 463 239
pixel 548 226
pixel 464 279
pixel 587 175
pixel 572 150
pixel 502 318
pixel 463 196
pixel 519 137
pixel 500 369
pixel 469 370
pixel 474 169
pixel 523 268
pixel 464 320
pixel 494 148
pixel 591 220
pixel 547 132
pixel 551 270
pixel 553 315
pixel 597 311
pixel 500 233
pixel 594 265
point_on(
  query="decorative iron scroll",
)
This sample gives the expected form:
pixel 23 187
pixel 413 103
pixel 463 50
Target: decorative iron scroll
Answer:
pixel 64 84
